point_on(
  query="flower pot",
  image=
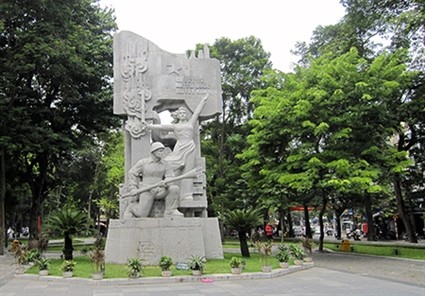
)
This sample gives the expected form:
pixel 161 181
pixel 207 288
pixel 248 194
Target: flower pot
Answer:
pixel 236 270
pixel 19 270
pixel 308 259
pixel 97 276
pixel 67 274
pixel 266 268
pixel 298 262
pixel 196 272
pixel 166 273
pixel 134 275
pixel 43 272
pixel 283 264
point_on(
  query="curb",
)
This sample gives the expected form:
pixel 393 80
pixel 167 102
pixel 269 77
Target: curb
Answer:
pixel 173 279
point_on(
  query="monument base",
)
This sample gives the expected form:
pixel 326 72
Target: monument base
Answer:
pixel 152 238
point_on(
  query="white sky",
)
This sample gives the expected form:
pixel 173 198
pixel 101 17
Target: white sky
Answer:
pixel 178 25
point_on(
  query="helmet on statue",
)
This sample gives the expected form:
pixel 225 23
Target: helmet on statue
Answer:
pixel 156 145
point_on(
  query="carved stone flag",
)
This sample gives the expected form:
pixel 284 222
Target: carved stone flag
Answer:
pixel 148 78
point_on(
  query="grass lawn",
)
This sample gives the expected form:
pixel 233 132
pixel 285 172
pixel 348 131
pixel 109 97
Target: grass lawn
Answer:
pixel 390 251
pixel 84 267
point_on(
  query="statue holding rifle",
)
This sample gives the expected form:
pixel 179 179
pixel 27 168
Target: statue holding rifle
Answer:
pixel 157 177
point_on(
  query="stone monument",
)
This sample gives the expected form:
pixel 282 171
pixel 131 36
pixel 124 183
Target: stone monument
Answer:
pixel 163 204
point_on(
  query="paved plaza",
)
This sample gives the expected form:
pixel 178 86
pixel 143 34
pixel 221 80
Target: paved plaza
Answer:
pixel 333 274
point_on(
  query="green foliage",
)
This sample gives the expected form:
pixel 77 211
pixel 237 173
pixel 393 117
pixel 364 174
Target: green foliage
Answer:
pixel 134 266
pixel 68 265
pixel 165 263
pixel 283 253
pixel 235 262
pixel 242 64
pixel 197 262
pixel 42 263
pixel 31 256
pixel 296 251
pixel 243 219
pixel 55 90
pixel 68 220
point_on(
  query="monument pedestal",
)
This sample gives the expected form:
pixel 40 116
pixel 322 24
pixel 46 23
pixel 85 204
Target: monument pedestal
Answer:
pixel 152 238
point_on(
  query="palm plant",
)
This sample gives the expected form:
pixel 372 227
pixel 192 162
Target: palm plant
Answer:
pixel 197 262
pixel 243 221
pixel 134 267
pixel 67 221
pixel 283 253
pixel 42 263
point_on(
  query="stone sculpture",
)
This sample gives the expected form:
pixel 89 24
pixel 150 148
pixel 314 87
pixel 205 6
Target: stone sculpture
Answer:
pixel 155 173
pixel 163 199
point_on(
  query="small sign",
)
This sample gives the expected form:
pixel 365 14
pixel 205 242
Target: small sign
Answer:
pixel 181 266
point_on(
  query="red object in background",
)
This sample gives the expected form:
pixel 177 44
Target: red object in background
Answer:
pixel 39 224
pixel 269 230
pixel 300 208
pixel 364 228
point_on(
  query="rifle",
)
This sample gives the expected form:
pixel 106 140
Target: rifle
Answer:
pixel 190 174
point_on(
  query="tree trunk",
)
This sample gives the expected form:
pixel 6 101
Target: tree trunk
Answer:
pixel 322 230
pixel 307 222
pixel 338 213
pixel 411 236
pixel 371 233
pixel 37 184
pixel 68 247
pixel 244 244
pixel 290 225
pixel 3 240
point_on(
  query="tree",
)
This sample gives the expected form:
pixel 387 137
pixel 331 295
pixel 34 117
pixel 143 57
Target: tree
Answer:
pixel 55 92
pixel 326 131
pixel 67 222
pixel 242 63
pixel 243 221
pixel 374 27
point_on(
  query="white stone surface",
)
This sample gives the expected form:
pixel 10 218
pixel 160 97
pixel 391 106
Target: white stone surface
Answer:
pixel 151 238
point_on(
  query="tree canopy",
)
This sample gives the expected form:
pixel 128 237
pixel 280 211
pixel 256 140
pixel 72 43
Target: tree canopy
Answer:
pixel 55 90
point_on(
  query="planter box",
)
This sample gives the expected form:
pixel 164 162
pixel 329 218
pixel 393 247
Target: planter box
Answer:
pixel 67 274
pixel 236 270
pixel 166 273
pixel 97 276
pixel 43 272
pixel 196 272
pixel 266 268
pixel 298 262
pixel 283 264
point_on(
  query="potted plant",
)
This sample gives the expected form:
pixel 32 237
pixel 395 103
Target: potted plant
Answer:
pixel 265 249
pixel 67 268
pixel 134 267
pixel 236 265
pixel 31 256
pixel 165 263
pixel 297 253
pixel 43 265
pixel 97 256
pixel 307 244
pixel 19 254
pixel 197 264
pixel 283 255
